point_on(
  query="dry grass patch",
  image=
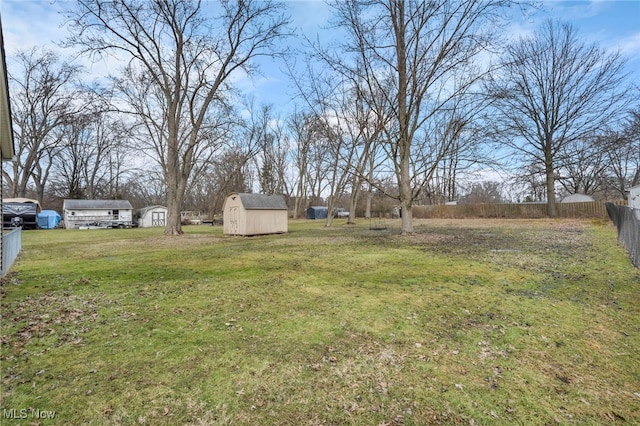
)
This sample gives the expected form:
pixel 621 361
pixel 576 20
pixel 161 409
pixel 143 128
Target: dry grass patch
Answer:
pixel 465 322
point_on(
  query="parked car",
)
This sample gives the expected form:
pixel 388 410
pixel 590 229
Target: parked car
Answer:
pixel 340 212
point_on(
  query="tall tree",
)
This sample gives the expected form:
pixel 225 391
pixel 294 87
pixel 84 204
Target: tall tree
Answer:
pixel 554 90
pixel 180 63
pixel 43 100
pixel 583 165
pixel 304 129
pixel 421 55
pixel 622 156
pixel 271 152
pixel 90 161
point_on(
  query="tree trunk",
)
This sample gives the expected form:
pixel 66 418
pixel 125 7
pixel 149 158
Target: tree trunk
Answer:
pixel 174 220
pixel 407 217
pixel 175 196
pixel 330 205
pixel 404 140
pixel 551 192
pixel 406 193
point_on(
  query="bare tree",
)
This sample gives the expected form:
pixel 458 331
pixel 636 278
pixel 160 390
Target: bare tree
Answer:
pixel 144 188
pixel 229 173
pixel 272 152
pixel 420 55
pixel 582 165
pixel 622 156
pixel 484 192
pixel 43 100
pixel 90 160
pixel 531 183
pixel 180 62
pixel 302 126
pixel 555 90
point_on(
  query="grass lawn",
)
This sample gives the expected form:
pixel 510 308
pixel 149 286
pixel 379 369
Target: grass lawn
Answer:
pixel 468 322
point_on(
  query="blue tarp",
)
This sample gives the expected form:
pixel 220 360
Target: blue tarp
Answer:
pixel 48 219
pixel 317 212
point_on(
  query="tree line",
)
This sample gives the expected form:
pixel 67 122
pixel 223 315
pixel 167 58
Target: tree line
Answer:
pixel 407 105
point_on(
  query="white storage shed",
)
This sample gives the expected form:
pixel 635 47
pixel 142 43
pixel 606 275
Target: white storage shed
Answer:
pixel 255 214
pixel 152 216
pixel 97 213
pixel 634 200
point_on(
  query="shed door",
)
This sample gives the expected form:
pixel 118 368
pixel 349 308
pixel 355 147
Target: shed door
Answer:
pixel 158 219
pixel 233 220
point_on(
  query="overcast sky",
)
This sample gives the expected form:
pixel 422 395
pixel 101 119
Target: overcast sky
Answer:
pixel 611 24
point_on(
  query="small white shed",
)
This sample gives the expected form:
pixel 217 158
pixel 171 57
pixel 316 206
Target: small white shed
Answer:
pixel 634 197
pixel 577 198
pixel 634 200
pixel 254 214
pixel 152 216
pixel 97 213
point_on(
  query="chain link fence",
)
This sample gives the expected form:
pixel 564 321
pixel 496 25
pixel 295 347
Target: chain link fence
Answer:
pixel 11 246
pixel 628 226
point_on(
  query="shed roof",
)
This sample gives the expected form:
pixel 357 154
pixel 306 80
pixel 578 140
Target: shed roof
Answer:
pixel 262 201
pixel 97 204
pixel 146 209
pixel 577 198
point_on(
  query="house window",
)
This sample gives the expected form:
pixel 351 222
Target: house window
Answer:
pixel 116 213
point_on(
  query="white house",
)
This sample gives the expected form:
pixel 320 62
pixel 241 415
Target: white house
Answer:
pixel 97 213
pixel 152 216
pixel 255 214
pixel 10 243
pixel 634 200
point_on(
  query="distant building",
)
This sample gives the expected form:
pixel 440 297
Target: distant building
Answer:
pixel 97 213
pixel 11 242
pixel 577 198
pixel 634 200
pixel 254 214
pixel 317 212
pixel 152 216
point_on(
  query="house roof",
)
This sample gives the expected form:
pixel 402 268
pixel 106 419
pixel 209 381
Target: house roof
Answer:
pixel 97 204
pixel 262 201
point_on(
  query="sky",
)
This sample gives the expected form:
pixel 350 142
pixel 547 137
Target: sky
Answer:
pixel 613 25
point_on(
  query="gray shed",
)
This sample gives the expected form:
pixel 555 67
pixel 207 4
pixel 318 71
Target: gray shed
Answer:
pixel 254 214
pixel 317 212
pixel 97 214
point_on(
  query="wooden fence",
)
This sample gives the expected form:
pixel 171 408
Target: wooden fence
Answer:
pixel 593 209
